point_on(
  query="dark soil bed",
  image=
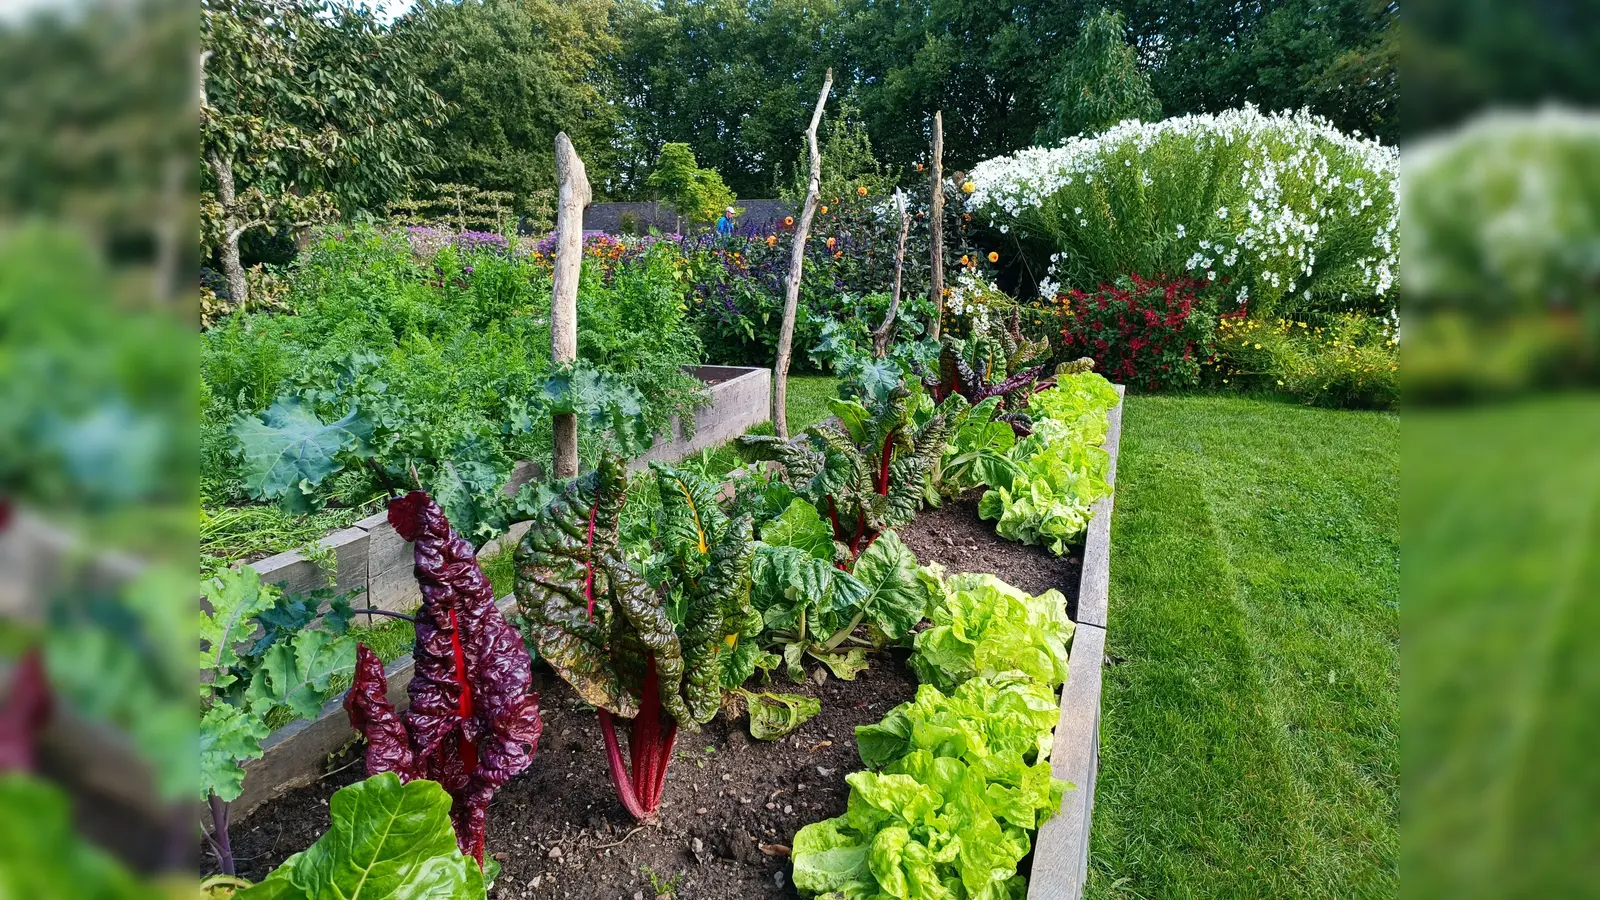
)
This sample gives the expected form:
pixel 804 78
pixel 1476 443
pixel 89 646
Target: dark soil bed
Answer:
pixel 954 536
pixel 732 804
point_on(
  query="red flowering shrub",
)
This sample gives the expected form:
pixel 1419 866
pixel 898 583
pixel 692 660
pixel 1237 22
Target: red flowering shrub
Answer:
pixel 1149 334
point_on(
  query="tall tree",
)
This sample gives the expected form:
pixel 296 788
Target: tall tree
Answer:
pixel 1098 83
pixel 698 195
pixel 734 79
pixel 515 73
pixel 306 108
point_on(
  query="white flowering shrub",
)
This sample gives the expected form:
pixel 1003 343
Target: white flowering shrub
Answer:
pixel 1504 214
pixel 1284 211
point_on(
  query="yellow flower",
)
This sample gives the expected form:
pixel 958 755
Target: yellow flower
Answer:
pixel 1258 346
pixel 1280 381
pixel 861 191
pixel 966 260
pixel 968 187
pixel 824 210
pixel 993 256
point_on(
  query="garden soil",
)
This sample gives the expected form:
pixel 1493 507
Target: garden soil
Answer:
pixel 732 804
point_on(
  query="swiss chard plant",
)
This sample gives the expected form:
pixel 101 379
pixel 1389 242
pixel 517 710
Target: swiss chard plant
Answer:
pixel 260 653
pixel 389 837
pixel 473 722
pixel 652 655
pixel 978 453
pixel 812 608
pixel 865 469
pixel 993 362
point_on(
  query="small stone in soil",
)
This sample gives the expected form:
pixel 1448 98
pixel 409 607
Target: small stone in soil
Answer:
pixel 555 852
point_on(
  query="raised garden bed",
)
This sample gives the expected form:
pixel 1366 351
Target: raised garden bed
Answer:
pixel 558 830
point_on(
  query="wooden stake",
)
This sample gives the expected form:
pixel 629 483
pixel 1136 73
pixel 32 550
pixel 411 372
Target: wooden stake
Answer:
pixel 936 225
pixel 574 195
pixel 791 300
pixel 880 337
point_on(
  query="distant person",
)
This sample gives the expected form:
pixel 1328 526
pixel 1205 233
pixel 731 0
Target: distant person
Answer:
pixel 725 222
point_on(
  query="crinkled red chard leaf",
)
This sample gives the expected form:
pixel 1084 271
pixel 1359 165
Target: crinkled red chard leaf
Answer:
pixel 473 722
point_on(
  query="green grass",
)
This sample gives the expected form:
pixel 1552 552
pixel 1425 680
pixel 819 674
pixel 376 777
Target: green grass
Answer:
pixel 1250 734
pixel 1502 561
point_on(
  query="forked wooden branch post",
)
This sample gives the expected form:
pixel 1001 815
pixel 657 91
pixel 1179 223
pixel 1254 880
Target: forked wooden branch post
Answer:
pixel 936 227
pixel 884 332
pixel 797 254
pixel 574 196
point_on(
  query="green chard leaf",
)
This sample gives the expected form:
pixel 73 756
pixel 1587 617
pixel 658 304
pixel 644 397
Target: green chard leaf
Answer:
pixel 773 716
pixel 895 599
pixel 386 840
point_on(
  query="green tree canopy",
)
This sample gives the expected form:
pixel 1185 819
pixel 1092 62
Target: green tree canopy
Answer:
pixel 515 73
pixel 847 160
pixel 307 107
pixel 697 194
pixel 1099 83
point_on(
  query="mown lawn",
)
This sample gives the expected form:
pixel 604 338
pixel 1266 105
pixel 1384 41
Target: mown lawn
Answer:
pixel 1250 738
pixel 1502 589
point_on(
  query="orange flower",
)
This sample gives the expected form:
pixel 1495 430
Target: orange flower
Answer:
pixel 832 242
pixel 772 239
pixel 861 191
pixel 788 220
pixel 919 167
pixel 993 256
pixel 838 253
pixel 966 260
pixel 824 210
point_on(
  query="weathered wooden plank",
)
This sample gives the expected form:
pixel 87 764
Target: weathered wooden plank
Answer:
pixel 737 404
pixel 1061 850
pixel 1095 586
pixel 391 583
pixel 300 575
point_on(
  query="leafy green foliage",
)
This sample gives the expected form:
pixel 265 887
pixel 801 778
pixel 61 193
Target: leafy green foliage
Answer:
pixel 983 626
pixel 596 620
pixel 260 652
pixel 1060 470
pixel 925 826
pixel 307 107
pixel 773 716
pixel 866 468
pixel 1048 499
pixel 1099 84
pixel 656 655
pixel 447 364
pixel 811 607
pixel 697 194
pixel 288 449
pixel 386 839
pixel 979 453
pixel 994 722
pixel 514 74
pixel 962 772
pixel 46 859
